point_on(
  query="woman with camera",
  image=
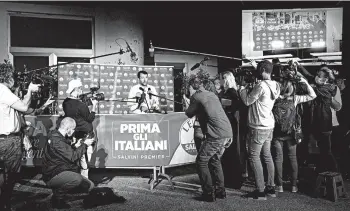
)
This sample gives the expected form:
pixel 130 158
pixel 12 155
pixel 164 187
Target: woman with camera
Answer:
pixel 285 137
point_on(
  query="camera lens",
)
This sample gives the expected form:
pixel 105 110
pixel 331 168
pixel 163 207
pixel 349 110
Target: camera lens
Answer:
pixel 100 96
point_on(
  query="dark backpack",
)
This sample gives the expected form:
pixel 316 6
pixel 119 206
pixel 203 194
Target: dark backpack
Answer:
pixel 284 112
pixel 102 196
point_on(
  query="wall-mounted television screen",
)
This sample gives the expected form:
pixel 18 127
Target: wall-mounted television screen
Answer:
pixel 266 30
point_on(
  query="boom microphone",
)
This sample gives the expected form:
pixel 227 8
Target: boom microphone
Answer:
pixel 195 66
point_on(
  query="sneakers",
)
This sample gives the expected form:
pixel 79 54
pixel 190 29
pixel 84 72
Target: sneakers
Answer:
pixel 279 189
pixel 270 191
pixel 294 189
pixel 207 197
pixel 256 195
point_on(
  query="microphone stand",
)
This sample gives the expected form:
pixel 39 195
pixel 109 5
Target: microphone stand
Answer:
pixel 165 98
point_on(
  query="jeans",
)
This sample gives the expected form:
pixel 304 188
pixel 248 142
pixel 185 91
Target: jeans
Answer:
pixel 198 137
pixel 11 156
pixel 290 146
pixel 259 141
pixel 326 162
pixel 68 181
pixel 209 165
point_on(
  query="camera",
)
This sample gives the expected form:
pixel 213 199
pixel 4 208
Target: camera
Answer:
pixel 245 75
pixel 47 78
pixel 92 95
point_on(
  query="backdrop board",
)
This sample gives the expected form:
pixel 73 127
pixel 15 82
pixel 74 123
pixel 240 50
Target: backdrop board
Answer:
pixel 115 82
pixel 133 140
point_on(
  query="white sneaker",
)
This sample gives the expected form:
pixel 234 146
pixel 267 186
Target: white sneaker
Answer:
pixel 279 189
pixel 294 189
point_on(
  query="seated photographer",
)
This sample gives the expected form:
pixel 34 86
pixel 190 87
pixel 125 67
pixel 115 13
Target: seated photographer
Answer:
pixel 11 136
pixel 285 136
pixel 142 92
pixel 73 107
pixel 61 169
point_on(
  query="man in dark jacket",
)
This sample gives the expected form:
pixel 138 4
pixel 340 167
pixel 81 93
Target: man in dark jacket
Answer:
pixel 61 170
pixel 217 133
pixel 73 107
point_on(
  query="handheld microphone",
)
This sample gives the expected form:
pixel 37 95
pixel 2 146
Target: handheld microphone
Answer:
pixel 141 100
pixel 149 93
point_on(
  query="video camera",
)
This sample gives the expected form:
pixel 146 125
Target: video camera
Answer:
pixel 247 75
pixel 92 95
pixel 47 78
pixel 286 73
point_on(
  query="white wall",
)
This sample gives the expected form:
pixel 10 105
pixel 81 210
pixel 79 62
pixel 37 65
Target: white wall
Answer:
pixel 334 24
pixel 110 24
pixel 189 60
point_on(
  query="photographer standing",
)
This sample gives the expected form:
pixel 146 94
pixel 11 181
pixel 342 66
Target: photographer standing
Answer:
pixel 73 107
pixel 10 131
pixel 217 131
pixel 261 123
pixel 285 133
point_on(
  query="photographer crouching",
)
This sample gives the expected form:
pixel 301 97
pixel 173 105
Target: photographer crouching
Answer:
pixel 10 132
pixel 61 170
pixel 74 107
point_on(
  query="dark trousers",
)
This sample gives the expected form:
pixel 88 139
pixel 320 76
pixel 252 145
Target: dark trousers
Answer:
pixel 289 146
pixel 11 157
pixel 326 161
pixel 68 181
pixel 209 165
pixel 198 137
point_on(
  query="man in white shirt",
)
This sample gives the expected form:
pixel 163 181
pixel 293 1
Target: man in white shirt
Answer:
pixel 142 92
pixel 10 131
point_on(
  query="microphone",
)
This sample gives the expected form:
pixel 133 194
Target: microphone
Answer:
pixel 199 64
pixel 149 93
pixel 141 100
pixel 195 66
pixel 138 96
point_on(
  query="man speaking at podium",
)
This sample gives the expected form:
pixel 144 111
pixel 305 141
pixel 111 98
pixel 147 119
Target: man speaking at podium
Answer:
pixel 143 92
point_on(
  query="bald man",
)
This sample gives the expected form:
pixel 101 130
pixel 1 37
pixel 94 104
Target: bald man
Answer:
pixel 61 170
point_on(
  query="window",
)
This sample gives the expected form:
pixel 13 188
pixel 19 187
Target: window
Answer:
pixel 50 33
pixel 41 40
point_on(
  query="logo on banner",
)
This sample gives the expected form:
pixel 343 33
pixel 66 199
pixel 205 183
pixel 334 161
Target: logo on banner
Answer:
pixel 141 136
pixel 186 136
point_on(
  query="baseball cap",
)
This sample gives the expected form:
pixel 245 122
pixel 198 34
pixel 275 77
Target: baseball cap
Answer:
pixel 75 83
